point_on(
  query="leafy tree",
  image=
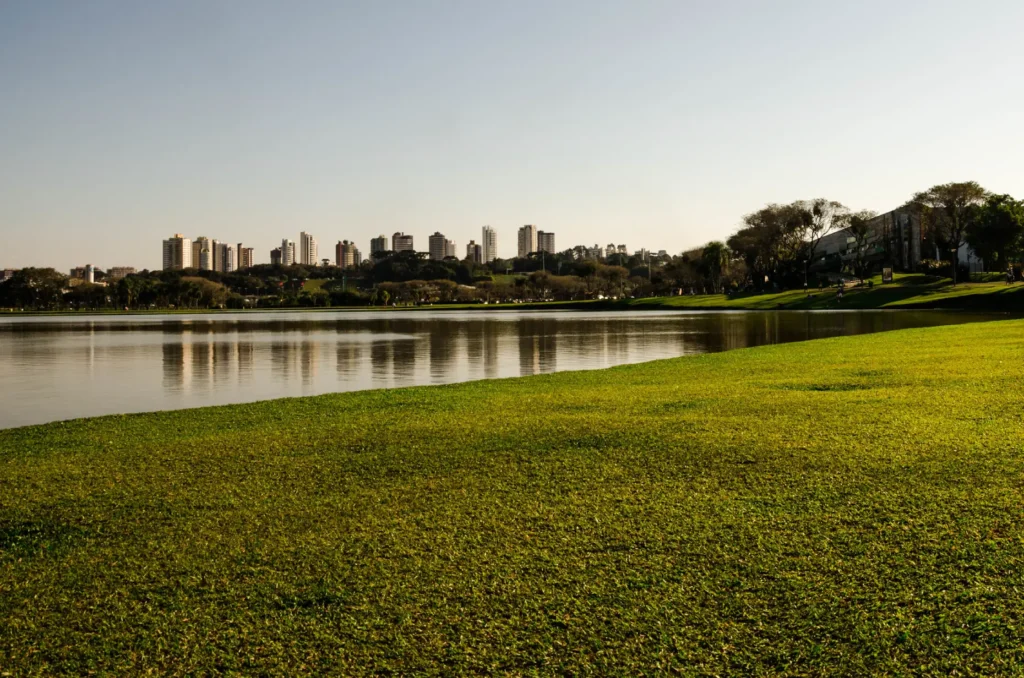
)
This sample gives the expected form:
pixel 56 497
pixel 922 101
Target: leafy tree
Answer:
pixel 950 210
pixel 714 262
pixel 771 242
pixel 995 235
pixel 39 288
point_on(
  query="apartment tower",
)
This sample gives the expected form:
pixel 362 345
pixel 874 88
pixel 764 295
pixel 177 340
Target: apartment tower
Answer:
pixel 307 249
pixel 177 253
pixel 489 245
pixel 400 242
pixel 378 244
pixel 546 242
pixel 527 241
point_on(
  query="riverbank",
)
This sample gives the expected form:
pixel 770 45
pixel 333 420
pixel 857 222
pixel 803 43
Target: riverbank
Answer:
pixel 847 505
pixel 907 291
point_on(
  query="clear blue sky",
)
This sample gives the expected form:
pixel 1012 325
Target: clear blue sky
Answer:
pixel 656 124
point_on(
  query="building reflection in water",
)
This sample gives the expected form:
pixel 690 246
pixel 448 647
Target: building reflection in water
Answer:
pixel 210 362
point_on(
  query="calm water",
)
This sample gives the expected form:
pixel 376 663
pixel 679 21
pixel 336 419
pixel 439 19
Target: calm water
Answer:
pixel 61 368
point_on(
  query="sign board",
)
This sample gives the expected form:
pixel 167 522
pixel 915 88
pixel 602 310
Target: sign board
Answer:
pixel 887 274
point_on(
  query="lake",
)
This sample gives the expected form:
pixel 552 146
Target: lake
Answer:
pixel 62 367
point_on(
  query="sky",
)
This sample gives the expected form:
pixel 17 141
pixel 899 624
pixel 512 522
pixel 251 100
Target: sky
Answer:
pixel 653 124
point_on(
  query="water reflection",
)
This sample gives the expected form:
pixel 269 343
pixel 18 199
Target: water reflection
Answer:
pixel 55 368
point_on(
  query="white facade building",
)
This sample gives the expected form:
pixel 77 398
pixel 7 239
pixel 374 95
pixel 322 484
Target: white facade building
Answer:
pixel 489 245
pixel 287 252
pixel 307 249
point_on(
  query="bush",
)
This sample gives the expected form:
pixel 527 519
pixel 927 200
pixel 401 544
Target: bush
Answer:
pixel 348 298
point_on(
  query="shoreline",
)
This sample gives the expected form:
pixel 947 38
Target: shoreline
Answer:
pixel 908 292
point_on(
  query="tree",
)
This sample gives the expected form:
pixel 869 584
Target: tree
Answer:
pixel 820 217
pixel 860 230
pixel 950 210
pixel 772 240
pixel 995 235
pixel 715 261
pixel 33 288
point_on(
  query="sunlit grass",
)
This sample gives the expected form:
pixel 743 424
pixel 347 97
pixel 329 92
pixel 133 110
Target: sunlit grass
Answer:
pixel 848 505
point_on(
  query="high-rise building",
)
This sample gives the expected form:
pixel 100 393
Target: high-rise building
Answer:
pixel 198 245
pixel 400 242
pixel 223 257
pixel 474 253
pixel 436 246
pixel 527 241
pixel 276 256
pixel 244 257
pixel 205 260
pixel 489 244
pixel 177 253
pixel 216 258
pixel 307 249
pixel 287 252
pixel 449 249
pixel 546 242
pixel 378 244
pixel 346 255
pixel 622 249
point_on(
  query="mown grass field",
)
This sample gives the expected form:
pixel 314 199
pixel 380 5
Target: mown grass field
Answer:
pixel 906 291
pixel 845 506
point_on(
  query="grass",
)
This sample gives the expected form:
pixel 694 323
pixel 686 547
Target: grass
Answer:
pixel 906 291
pixel 844 506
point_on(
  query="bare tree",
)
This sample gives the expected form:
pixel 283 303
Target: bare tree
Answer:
pixel 821 217
pixel 860 231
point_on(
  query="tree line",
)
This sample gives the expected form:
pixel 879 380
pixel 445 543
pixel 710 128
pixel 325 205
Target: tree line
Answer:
pixel 777 247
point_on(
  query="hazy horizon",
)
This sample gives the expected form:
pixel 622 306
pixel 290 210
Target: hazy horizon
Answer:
pixel 654 124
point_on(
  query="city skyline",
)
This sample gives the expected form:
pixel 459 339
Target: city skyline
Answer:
pixel 352 120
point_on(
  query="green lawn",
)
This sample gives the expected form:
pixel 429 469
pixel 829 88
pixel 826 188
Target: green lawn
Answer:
pixel 847 506
pixel 906 291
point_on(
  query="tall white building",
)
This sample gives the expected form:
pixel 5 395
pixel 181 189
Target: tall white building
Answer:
pixel 449 249
pixel 287 252
pixel 307 249
pixel 436 246
pixel 177 253
pixel 489 245
pixel 546 242
pixel 527 241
